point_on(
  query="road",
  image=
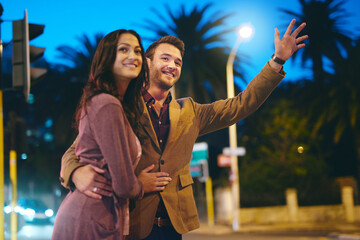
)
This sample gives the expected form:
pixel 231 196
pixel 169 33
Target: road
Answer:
pixel 272 233
pixel 253 236
pixel 33 232
pixel 43 232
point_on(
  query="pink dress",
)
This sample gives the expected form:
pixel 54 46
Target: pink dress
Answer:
pixel 106 140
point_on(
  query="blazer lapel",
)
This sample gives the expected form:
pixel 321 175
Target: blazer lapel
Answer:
pixel 174 115
pixel 145 121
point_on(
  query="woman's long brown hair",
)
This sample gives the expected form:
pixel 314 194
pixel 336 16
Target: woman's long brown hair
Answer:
pixel 101 79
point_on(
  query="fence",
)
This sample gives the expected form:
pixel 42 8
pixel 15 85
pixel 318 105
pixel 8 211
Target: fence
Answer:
pixel 291 212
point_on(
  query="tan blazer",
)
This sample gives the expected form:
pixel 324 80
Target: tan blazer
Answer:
pixel 188 120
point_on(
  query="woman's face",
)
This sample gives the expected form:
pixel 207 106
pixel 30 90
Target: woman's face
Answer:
pixel 128 59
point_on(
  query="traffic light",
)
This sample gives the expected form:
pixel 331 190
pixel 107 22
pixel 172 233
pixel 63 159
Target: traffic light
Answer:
pixel 24 54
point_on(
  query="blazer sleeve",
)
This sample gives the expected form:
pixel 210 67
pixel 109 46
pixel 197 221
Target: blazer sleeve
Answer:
pixel 112 132
pixel 69 163
pixel 224 113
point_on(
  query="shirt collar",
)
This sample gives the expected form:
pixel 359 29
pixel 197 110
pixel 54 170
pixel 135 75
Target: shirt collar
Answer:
pixel 150 99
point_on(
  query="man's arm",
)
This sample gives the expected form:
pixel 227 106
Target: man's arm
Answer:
pixel 69 163
pixel 224 113
pixel 86 178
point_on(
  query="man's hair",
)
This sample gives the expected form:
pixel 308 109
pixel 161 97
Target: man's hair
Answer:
pixel 176 42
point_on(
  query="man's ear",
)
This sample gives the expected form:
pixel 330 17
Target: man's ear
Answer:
pixel 148 60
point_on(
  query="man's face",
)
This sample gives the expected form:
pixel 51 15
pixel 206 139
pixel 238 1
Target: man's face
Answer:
pixel 165 67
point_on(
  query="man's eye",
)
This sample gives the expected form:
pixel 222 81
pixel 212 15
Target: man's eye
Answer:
pixel 178 64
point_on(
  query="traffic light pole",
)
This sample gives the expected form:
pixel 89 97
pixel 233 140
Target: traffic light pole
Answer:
pixel 13 178
pixel 2 217
pixel 24 32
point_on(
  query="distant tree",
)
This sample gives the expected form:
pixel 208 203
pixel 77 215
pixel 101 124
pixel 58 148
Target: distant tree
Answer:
pixel 203 74
pixel 339 101
pixel 272 162
pixel 327 38
pixel 52 112
pixel 74 74
pixel 332 101
pixel 79 58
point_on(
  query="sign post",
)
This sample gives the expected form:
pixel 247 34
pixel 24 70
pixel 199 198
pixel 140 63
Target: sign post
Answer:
pixel 199 168
pixel 229 158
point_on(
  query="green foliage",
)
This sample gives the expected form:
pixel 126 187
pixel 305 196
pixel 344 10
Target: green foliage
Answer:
pixel 334 96
pixel 273 163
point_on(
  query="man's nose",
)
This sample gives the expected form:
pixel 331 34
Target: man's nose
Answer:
pixel 172 65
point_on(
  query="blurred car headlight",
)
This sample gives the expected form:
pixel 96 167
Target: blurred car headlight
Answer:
pixel 28 212
pixel 49 212
pixel 7 209
pixel 18 209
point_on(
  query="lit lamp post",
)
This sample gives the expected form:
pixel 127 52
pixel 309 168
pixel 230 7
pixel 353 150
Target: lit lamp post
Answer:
pixel 245 33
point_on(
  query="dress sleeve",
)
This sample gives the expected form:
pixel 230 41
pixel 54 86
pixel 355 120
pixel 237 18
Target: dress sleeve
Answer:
pixel 110 129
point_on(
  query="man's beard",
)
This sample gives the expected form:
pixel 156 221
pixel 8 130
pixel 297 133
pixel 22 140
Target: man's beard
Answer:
pixel 163 84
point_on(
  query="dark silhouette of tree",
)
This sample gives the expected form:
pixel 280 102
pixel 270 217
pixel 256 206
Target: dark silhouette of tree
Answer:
pixel 74 74
pixel 342 98
pixel 327 38
pixel 79 59
pixel 272 162
pixel 203 74
pixel 50 116
pixel 332 99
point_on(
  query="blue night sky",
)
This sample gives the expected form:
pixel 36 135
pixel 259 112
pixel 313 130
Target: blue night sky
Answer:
pixel 65 20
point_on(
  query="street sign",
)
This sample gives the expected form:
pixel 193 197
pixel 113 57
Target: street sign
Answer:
pixel 198 164
pixel 239 151
pixel 224 160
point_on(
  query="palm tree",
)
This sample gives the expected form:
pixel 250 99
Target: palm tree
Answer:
pixel 333 104
pixel 342 96
pixel 325 20
pixel 80 59
pixel 203 72
pixel 67 82
pixel 55 101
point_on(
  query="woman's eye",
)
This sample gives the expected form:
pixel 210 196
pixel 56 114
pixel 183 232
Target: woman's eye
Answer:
pixel 138 51
pixel 122 49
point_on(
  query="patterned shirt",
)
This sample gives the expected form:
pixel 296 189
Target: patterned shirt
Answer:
pixel 161 122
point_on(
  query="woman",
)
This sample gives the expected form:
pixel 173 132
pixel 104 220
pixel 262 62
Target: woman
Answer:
pixel 106 117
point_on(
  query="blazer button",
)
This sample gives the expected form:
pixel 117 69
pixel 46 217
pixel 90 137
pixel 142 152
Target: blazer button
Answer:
pixel 162 162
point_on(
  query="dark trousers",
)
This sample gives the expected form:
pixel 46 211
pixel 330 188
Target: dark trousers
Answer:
pixel 163 233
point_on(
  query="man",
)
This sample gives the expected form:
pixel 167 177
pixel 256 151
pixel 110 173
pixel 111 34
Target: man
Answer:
pixel 171 128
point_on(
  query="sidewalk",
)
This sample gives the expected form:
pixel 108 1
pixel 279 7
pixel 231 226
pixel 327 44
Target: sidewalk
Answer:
pixel 334 230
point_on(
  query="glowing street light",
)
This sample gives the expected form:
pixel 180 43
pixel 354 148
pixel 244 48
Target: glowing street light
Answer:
pixel 246 31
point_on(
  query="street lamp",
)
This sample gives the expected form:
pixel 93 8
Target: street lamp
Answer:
pixel 246 31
